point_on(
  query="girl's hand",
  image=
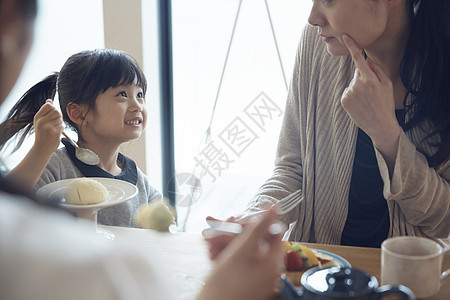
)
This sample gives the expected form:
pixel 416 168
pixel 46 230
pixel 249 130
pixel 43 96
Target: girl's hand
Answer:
pixel 369 101
pixel 250 267
pixel 48 127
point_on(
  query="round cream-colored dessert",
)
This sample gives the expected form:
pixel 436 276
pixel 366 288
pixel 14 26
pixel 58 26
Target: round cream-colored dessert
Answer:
pixel 158 215
pixel 84 191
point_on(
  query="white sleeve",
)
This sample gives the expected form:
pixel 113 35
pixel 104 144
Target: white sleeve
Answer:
pixel 47 255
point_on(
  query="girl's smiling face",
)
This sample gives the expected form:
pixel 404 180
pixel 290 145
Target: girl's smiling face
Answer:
pixel 120 114
pixel 364 20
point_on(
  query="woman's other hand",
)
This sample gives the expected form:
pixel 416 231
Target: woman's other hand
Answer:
pixel 369 101
pixel 250 267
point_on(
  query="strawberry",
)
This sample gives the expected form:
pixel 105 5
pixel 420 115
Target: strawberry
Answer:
pixel 293 261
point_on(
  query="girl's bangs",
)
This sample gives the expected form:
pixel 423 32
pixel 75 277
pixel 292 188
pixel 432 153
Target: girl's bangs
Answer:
pixel 121 69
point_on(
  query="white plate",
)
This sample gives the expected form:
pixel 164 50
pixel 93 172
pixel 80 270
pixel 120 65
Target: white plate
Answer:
pixel 119 191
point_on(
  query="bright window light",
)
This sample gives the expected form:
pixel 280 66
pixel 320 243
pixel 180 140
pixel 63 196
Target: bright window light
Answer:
pixel 240 155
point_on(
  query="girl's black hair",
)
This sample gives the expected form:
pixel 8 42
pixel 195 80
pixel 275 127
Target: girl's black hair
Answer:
pixel 83 77
pixel 425 72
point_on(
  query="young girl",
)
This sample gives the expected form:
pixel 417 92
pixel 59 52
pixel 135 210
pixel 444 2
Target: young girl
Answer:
pixel 102 97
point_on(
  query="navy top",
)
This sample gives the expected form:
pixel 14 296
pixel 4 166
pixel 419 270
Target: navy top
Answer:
pixel 367 222
pixel 129 169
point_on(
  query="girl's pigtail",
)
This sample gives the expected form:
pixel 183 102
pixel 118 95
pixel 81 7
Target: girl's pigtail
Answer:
pixel 20 117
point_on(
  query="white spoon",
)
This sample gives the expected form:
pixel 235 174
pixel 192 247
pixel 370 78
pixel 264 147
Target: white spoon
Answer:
pixel 85 155
pixel 218 228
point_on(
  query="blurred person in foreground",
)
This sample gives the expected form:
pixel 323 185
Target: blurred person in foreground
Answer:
pixel 46 254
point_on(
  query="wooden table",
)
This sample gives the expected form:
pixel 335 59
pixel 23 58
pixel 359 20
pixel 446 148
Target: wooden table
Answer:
pixel 185 258
pixel 369 260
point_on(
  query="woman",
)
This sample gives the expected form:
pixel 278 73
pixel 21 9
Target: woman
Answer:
pixel 364 151
pixel 45 254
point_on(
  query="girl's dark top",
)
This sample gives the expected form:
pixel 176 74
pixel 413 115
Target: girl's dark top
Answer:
pixel 367 222
pixel 129 169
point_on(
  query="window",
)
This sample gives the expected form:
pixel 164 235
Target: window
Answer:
pixel 250 103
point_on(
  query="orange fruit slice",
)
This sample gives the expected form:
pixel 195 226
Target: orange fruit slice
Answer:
pixel 310 255
pixel 286 246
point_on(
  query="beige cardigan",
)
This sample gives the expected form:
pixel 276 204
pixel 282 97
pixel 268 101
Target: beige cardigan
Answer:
pixel 315 159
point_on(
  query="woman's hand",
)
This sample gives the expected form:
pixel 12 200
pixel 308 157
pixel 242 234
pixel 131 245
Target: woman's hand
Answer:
pixel 369 101
pixel 48 127
pixel 250 267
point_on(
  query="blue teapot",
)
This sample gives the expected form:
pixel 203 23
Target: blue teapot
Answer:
pixel 340 283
